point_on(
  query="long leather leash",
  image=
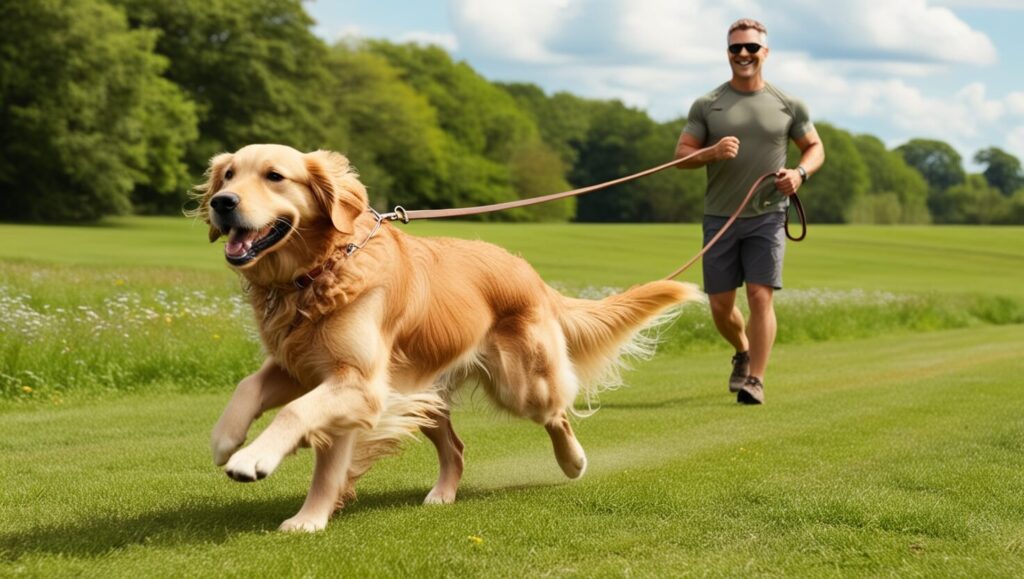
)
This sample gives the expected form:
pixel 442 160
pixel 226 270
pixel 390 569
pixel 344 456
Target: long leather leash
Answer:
pixel 405 216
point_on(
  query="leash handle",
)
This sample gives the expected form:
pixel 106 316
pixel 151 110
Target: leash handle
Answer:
pixel 800 213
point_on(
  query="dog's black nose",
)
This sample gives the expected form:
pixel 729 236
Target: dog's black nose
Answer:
pixel 224 203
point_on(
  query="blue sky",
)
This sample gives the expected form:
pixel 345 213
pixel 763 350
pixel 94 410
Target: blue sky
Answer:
pixel 897 69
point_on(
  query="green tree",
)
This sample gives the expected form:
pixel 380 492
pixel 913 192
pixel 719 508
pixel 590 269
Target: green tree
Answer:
pixel 253 67
pixel 171 128
pixel 388 130
pixel 941 167
pixel 537 170
pixel 891 179
pixel 1015 211
pixel 563 119
pixel 479 115
pixel 671 195
pixel 937 162
pixel 840 183
pixel 79 97
pixel 975 202
pixel 877 208
pixel 608 152
pixel 1003 170
pixel 487 132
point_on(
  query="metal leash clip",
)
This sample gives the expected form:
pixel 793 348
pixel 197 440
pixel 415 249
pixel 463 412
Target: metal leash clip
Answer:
pixel 399 214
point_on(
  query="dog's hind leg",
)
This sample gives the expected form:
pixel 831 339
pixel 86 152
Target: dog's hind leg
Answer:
pixel 329 481
pixel 535 379
pixel 568 452
pixel 269 387
pixel 449 455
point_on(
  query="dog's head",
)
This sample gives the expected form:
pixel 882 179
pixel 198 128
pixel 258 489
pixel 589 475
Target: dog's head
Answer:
pixel 262 196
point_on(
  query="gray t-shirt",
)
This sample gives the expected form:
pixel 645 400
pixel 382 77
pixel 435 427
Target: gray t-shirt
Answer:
pixel 764 121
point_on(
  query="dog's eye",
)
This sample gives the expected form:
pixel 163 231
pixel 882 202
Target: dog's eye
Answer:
pixel 228 175
pixel 275 176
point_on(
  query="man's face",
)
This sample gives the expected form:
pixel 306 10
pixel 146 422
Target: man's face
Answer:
pixel 745 64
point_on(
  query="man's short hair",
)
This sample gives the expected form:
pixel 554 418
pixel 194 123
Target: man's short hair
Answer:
pixel 748 24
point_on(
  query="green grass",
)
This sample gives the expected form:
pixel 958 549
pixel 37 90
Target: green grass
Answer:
pixel 891 444
pixel 881 457
pixel 983 260
pixel 87 311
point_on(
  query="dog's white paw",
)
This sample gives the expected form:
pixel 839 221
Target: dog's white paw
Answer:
pixel 574 464
pixel 248 465
pixel 576 468
pixel 303 524
pixel 440 496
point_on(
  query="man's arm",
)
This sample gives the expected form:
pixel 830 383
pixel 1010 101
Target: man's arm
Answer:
pixel 812 156
pixel 726 148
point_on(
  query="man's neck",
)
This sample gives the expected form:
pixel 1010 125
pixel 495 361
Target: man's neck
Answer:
pixel 752 84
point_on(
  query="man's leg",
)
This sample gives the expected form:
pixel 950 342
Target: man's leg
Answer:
pixel 723 273
pixel 729 319
pixel 762 253
pixel 761 328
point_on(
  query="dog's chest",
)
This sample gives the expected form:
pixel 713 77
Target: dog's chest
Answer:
pixel 291 340
pixel 300 353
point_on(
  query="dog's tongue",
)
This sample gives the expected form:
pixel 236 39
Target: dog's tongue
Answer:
pixel 239 242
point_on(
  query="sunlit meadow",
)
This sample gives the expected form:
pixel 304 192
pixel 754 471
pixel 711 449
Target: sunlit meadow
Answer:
pixel 890 444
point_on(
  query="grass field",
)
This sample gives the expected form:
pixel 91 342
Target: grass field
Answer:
pixel 892 442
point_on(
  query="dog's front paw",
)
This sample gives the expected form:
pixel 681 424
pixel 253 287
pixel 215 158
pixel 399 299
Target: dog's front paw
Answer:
pixel 248 465
pixel 440 496
pixel 303 524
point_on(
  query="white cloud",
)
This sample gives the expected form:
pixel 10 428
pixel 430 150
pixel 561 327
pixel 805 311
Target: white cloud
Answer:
pixel 973 98
pixel 693 31
pixel 678 31
pixel 518 31
pixel 865 65
pixel 881 31
pixel 1015 142
pixel 996 4
pixel 1015 103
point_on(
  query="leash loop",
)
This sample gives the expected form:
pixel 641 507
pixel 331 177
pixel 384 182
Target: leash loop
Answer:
pixel 800 213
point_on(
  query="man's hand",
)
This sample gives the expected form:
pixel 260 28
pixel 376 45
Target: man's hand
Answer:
pixel 727 148
pixel 788 181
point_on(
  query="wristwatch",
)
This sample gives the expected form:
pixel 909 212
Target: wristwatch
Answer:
pixel 803 173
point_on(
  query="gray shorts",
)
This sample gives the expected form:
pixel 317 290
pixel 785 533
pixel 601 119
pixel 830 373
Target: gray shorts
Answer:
pixel 751 251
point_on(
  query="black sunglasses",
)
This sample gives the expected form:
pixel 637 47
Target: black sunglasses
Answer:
pixel 752 47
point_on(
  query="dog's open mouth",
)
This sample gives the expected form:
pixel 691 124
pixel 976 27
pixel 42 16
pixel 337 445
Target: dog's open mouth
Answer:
pixel 245 245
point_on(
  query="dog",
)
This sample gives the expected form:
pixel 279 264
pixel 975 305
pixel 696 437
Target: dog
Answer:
pixel 369 330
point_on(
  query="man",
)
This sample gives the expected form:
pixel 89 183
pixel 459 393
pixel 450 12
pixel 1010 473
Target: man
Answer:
pixel 749 110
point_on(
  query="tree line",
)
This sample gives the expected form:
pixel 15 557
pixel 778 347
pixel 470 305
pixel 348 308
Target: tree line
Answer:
pixel 115 106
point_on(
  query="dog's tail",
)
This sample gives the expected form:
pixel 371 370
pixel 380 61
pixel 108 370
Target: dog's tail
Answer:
pixel 600 333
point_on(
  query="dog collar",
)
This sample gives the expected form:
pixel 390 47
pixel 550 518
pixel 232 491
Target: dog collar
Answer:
pixel 305 280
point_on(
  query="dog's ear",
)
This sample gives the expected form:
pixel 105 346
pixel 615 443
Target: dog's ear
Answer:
pixel 214 183
pixel 336 187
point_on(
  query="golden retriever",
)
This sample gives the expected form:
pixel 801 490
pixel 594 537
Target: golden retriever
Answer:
pixel 367 330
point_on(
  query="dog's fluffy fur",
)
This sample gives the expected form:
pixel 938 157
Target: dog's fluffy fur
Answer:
pixel 372 348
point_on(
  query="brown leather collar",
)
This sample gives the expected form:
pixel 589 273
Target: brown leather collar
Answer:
pixel 305 280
